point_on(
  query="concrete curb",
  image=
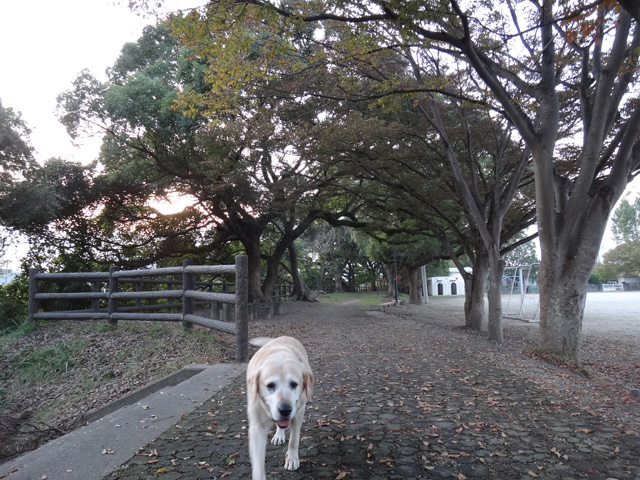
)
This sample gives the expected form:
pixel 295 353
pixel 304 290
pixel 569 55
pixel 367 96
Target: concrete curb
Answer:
pixel 124 426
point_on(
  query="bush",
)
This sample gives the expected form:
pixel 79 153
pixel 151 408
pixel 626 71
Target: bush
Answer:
pixel 13 305
pixel 13 313
pixel 31 364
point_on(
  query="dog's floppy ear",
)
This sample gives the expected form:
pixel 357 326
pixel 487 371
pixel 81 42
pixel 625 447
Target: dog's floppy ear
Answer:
pixel 253 387
pixel 307 383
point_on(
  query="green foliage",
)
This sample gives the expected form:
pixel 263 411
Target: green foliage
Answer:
pixel 13 307
pixel 437 268
pixel 365 298
pixel 13 314
pixel 622 261
pixel 625 223
pixel 34 364
pixel 50 193
pixel 606 272
pixel 16 152
pixel 522 255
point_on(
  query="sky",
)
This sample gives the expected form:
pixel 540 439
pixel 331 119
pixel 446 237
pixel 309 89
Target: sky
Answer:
pixel 45 44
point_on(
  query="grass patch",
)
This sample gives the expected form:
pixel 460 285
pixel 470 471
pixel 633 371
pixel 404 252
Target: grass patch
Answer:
pixel 18 328
pixel 362 298
pixel 31 365
pixel 4 399
pixel 64 368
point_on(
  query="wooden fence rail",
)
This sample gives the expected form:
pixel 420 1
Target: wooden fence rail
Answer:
pixel 110 294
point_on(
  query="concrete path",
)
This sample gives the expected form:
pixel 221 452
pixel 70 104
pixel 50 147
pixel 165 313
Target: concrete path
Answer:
pixel 398 399
pixel 95 450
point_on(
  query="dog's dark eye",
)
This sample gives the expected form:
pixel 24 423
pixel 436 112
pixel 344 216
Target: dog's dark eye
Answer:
pixel 293 385
pixel 271 386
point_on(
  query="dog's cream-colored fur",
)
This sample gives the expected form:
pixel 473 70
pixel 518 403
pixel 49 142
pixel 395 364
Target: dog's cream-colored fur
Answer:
pixel 279 384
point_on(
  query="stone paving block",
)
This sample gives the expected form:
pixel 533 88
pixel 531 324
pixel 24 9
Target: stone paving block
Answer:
pixel 402 404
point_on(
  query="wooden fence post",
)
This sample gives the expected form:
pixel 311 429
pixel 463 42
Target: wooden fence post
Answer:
pixel 113 288
pixel 32 304
pixel 170 300
pixel 187 303
pixel 241 307
pixel 95 303
pixel 138 300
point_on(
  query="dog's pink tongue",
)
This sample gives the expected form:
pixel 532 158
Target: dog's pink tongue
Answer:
pixel 283 423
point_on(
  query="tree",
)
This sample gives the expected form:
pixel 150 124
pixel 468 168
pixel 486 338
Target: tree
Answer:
pixel 524 254
pixel 572 220
pixel 16 152
pixel 403 154
pixel 16 155
pixel 625 223
pixel 623 261
pixel 574 74
pixel 245 167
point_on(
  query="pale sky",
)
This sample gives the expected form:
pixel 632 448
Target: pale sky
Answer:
pixel 44 44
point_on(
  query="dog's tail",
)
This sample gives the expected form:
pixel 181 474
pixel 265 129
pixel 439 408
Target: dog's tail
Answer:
pixel 260 341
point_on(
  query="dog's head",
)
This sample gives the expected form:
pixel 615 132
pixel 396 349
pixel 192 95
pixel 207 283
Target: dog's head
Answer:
pixel 284 385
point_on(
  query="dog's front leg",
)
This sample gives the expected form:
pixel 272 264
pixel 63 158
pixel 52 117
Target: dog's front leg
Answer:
pixel 292 461
pixel 257 450
pixel 279 437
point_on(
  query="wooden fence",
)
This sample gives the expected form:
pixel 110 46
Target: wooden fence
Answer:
pixel 106 294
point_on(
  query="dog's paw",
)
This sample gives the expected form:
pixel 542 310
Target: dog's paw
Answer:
pixel 292 461
pixel 279 437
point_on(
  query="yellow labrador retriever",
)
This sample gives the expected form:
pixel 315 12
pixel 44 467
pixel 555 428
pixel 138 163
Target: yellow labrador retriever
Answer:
pixel 279 384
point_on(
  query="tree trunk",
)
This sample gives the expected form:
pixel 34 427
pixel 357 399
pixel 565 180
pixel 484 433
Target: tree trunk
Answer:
pixel 494 297
pixel 255 269
pixel 474 286
pixel 391 280
pixel 273 266
pixel 414 286
pixel 320 285
pixel 561 311
pixel 337 277
pixel 562 279
pixel 300 289
pixel 351 277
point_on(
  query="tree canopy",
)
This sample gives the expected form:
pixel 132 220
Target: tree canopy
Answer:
pixel 625 223
pixel 400 118
pixel 568 93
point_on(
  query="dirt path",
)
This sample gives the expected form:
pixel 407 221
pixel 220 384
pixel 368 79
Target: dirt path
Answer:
pixel 405 393
pixel 332 332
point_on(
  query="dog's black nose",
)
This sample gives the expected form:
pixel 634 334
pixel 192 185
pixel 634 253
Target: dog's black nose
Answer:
pixel 284 410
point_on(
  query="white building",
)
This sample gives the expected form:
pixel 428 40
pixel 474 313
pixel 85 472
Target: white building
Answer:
pixel 453 284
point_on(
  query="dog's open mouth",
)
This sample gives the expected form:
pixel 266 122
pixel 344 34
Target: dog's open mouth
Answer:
pixel 283 423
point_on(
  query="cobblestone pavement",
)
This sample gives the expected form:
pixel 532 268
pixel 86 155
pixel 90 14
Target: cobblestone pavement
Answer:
pixel 397 399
